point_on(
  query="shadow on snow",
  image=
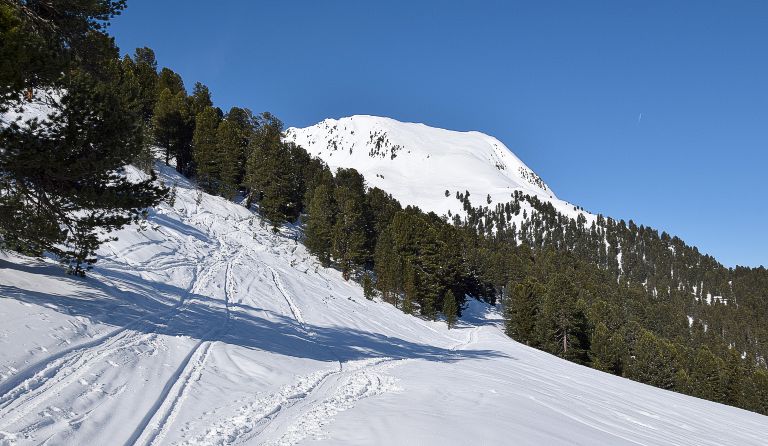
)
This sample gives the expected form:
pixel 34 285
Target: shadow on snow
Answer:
pixel 147 306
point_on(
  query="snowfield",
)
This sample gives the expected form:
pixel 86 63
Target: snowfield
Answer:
pixel 203 327
pixel 417 163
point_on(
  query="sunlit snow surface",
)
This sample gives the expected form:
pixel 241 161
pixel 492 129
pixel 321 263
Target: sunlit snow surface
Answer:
pixel 203 327
pixel 427 161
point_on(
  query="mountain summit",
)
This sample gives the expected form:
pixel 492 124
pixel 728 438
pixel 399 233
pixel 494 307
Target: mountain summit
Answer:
pixel 417 164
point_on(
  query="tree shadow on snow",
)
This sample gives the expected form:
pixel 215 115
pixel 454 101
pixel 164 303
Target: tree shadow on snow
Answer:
pixel 178 226
pixel 144 306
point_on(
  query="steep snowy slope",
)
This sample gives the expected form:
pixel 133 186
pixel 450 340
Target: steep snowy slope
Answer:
pixel 202 327
pixel 417 163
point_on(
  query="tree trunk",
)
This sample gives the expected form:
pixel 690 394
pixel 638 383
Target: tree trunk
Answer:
pixel 565 341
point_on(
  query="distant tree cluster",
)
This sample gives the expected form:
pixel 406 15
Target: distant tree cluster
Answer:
pixel 414 260
pixel 625 299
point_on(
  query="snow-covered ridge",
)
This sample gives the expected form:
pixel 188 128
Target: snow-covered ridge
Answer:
pixel 417 164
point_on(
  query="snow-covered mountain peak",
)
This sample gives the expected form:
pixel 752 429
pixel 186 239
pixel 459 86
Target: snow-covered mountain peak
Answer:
pixel 417 163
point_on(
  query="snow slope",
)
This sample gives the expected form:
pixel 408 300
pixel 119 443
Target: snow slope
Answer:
pixel 417 163
pixel 202 327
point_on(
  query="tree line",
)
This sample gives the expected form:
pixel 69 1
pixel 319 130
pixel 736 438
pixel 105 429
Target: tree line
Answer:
pixel 416 261
pixel 62 194
pixel 626 299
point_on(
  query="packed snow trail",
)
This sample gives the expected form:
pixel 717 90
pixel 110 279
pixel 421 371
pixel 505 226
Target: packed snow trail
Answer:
pixel 361 379
pixel 156 423
pixel 203 327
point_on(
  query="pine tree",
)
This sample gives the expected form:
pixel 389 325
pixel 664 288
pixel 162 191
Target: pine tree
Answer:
pixel 450 267
pixel 600 353
pixel 381 208
pixel 706 376
pixel 59 192
pixel 368 290
pixel 411 286
pixel 228 153
pixel 407 305
pixel 143 67
pixel 61 186
pixel 270 182
pixel 320 223
pixel 522 311
pixel 174 126
pixel 428 305
pixel 388 266
pixel 349 230
pixel 244 122
pixel 200 99
pixel 428 262
pixel 758 391
pixel 232 137
pixel 269 174
pixel 301 168
pixel 145 158
pixel 561 323
pixel 653 362
pixel 171 196
pixel 450 310
pixel 734 380
pixel 171 80
pixel 42 41
pixel 205 150
pixel 607 351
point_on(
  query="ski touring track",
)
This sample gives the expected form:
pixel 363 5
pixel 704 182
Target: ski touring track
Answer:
pixel 334 394
pixel 38 383
pixel 295 310
pixel 41 381
pixel 472 338
pixel 303 407
pixel 157 422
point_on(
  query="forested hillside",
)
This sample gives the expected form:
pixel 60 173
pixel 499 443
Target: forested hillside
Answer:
pixel 625 299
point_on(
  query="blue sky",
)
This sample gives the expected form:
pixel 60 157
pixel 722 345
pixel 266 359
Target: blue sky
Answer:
pixel 655 111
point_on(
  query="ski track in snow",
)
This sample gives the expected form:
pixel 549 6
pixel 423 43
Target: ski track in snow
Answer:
pixel 166 409
pixel 254 415
pixel 355 381
pixel 26 389
pixel 34 391
pixel 257 416
pixel 159 420
pixel 34 386
pixel 295 311
pixel 48 378
pixel 364 381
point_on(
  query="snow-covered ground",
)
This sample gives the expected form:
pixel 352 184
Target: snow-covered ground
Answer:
pixel 203 327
